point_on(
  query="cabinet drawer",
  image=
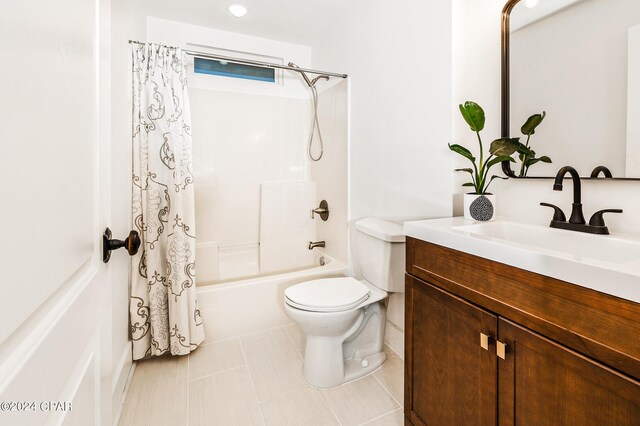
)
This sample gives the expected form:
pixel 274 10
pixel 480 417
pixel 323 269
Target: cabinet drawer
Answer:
pixel 597 325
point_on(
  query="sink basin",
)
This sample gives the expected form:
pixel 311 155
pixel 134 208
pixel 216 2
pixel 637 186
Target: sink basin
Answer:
pixel 606 263
pixel 567 243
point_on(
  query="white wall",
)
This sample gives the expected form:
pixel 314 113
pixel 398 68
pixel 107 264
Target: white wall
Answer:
pixel 476 64
pixel 128 22
pixel 399 62
pixel 398 58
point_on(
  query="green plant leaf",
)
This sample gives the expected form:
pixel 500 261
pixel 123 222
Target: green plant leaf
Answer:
pixel 504 146
pixel 531 161
pixel 524 151
pixel 462 151
pixel 468 184
pixel 486 188
pixel 500 159
pixel 529 127
pixel 473 114
pixel 468 170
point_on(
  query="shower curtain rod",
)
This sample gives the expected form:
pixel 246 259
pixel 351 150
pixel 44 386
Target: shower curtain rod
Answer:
pixel 255 63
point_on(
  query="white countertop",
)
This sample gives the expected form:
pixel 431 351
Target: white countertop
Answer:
pixel 606 263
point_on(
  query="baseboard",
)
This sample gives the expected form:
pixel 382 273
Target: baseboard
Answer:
pixel 394 339
pixel 122 374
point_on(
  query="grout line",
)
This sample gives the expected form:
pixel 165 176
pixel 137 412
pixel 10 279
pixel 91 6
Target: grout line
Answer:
pixel 326 401
pixel 251 333
pixel 385 389
pixel 379 417
pixel 223 370
pixel 253 385
pixel 216 373
pixel 295 348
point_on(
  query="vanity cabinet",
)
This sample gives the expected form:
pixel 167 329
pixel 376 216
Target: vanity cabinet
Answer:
pixel 490 344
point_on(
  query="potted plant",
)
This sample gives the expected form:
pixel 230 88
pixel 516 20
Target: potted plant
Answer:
pixel 526 155
pixel 480 204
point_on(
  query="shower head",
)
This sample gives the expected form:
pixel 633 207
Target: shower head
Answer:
pixel 315 80
pixel 291 64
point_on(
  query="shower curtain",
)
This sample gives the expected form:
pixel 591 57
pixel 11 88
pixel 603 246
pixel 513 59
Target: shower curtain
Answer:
pixel 164 316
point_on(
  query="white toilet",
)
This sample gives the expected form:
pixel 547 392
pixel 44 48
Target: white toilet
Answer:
pixel 343 318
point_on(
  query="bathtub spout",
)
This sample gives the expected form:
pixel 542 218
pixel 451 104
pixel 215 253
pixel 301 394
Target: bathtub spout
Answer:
pixel 313 244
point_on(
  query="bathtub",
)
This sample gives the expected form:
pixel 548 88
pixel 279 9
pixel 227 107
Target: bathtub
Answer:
pixel 246 306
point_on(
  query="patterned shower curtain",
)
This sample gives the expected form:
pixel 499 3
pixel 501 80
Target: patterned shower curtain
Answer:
pixel 163 309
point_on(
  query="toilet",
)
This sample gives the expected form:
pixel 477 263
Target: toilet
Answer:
pixel 343 318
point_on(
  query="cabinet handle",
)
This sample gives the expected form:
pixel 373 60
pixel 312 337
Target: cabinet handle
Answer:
pixel 485 340
pixel 501 349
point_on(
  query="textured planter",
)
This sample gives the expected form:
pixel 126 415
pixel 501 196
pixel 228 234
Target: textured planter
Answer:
pixel 480 207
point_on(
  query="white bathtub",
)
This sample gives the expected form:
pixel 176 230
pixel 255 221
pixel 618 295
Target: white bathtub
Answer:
pixel 247 306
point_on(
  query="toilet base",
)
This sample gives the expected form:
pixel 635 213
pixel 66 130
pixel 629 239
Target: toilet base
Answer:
pixel 353 369
pixel 325 365
pixel 349 370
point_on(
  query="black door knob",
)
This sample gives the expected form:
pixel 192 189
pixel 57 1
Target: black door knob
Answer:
pixel 131 244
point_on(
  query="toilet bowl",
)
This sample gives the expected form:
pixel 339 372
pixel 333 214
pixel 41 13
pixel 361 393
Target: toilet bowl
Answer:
pixel 343 318
pixel 343 321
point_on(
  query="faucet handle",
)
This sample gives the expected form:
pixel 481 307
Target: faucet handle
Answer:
pixel 596 218
pixel 558 214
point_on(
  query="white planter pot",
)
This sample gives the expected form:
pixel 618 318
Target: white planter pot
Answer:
pixel 480 207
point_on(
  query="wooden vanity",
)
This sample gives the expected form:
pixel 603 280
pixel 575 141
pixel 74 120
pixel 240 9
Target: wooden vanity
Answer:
pixel 491 344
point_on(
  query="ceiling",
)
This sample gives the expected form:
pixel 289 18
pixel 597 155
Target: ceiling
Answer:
pixel 294 21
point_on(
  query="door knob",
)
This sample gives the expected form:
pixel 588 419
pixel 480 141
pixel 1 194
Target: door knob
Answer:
pixel 131 244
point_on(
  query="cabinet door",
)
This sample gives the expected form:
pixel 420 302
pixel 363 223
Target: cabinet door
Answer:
pixel 542 383
pixel 450 378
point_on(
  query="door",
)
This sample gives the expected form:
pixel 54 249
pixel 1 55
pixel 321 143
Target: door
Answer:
pixel 453 369
pixel 54 307
pixel 542 383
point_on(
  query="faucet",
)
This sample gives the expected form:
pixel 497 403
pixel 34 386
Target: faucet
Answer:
pixel 576 221
pixel 314 244
pixel 601 169
pixel 576 211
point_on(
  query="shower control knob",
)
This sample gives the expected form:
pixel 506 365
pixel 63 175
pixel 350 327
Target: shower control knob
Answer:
pixel 131 244
pixel 322 211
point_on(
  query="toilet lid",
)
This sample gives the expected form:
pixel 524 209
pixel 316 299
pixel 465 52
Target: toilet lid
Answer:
pixel 327 294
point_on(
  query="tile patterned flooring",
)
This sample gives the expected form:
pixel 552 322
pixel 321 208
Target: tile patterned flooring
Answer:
pixel 256 379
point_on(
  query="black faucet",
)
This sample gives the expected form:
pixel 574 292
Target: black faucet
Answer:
pixel 576 221
pixel 601 169
pixel 576 209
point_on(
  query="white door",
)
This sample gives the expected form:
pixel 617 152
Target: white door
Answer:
pixel 54 298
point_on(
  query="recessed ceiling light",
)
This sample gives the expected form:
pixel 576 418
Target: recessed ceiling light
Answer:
pixel 237 10
pixel 530 3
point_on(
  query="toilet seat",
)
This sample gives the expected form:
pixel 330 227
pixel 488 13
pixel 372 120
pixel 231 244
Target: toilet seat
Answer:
pixel 327 294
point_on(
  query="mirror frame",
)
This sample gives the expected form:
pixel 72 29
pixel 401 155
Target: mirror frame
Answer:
pixel 505 95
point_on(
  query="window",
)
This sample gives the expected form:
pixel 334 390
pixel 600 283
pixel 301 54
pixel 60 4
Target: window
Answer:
pixel 233 70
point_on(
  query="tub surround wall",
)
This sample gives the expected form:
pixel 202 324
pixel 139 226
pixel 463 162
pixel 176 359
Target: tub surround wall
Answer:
pixel 286 226
pixel 330 173
pixel 477 77
pixel 241 141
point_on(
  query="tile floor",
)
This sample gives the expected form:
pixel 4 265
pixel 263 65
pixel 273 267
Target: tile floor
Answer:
pixel 256 379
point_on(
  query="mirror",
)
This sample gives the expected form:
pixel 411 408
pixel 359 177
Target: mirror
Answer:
pixel 579 61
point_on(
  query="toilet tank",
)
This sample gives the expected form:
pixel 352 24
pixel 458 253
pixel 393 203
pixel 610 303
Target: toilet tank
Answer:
pixel 380 245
